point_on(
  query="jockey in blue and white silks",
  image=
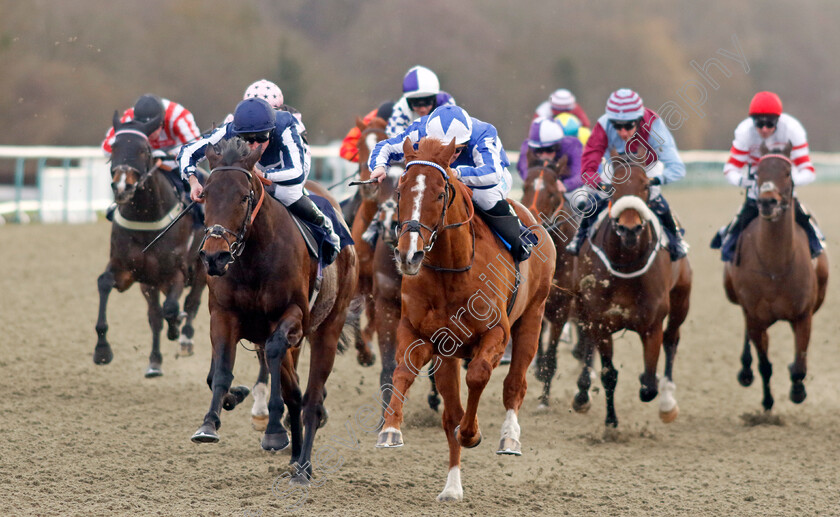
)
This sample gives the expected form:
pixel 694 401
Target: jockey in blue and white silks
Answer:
pixel 480 162
pixel 421 95
pixel 283 159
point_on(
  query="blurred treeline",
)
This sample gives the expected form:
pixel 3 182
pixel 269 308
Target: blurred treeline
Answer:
pixel 65 66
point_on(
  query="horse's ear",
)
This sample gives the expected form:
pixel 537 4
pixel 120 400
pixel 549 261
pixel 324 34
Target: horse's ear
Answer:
pixel 253 157
pixel 448 151
pixel 408 150
pixel 787 149
pixel 116 120
pixel 762 150
pixel 360 124
pixel 212 153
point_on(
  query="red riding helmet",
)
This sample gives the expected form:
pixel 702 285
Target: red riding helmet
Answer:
pixel 766 103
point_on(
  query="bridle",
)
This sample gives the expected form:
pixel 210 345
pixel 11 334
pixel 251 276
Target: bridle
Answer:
pixel 414 226
pixel 125 168
pixel 770 186
pixel 217 231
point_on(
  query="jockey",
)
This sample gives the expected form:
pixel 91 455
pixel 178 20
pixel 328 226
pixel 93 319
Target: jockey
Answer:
pixel 421 95
pixel 177 128
pixel 350 145
pixel 282 160
pixel 562 101
pixel 626 127
pixel 547 141
pixel 768 125
pixel 479 162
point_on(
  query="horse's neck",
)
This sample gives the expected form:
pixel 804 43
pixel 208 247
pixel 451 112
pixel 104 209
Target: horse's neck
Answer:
pixel 777 237
pixel 151 201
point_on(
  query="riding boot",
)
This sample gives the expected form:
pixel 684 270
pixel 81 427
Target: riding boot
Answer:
pixel 677 247
pixel 816 239
pixel 306 209
pixel 504 221
pixel 371 234
pixel 748 212
pixel 573 248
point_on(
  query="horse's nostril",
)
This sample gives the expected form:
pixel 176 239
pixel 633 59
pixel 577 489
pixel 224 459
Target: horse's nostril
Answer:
pixel 417 257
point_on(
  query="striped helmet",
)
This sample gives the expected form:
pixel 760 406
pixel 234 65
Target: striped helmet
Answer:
pixel 625 104
pixel 448 122
pixel 420 82
pixel 562 100
pixel 267 91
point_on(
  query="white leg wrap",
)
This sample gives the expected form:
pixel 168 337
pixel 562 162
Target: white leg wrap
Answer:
pixel 452 491
pixel 667 390
pixel 260 393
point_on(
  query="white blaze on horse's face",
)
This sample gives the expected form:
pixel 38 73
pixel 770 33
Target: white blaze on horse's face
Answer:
pixel 538 184
pixel 767 186
pixel 370 141
pixel 121 183
pixel 419 188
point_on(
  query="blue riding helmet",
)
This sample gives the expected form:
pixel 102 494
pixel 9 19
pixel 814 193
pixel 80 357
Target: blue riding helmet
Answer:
pixel 253 115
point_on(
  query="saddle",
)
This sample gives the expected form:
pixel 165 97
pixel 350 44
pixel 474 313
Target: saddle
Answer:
pixel 315 236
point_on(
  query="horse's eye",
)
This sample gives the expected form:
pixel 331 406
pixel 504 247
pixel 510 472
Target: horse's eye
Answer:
pixel 244 199
pixel 440 196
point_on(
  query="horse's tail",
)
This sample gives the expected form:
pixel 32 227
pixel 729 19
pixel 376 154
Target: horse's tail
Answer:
pixel 352 324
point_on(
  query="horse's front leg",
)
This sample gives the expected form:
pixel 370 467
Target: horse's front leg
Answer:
pixel 758 335
pixel 259 410
pixel 413 352
pixel 490 350
pixel 191 304
pixel 288 332
pixel 799 367
pixel 152 296
pixel 102 353
pixel 171 308
pixel 224 335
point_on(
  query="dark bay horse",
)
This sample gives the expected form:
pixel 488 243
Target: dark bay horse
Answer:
pixel 371 133
pixel 773 276
pixel 626 280
pixel 548 205
pixel 457 303
pixel 146 203
pixel 261 279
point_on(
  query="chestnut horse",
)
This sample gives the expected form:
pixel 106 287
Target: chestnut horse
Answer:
pixel 371 133
pixel 773 277
pixel 457 303
pixel 548 205
pixel 146 203
pixel 626 280
pixel 261 279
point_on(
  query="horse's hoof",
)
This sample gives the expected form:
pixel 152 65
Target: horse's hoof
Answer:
pixel 447 497
pixel 275 441
pixel 669 416
pixel 647 394
pixel 234 397
pixel 581 403
pixel 259 422
pixel 460 441
pixel 542 407
pixel 510 447
pixel 767 403
pixel 186 350
pixel 797 393
pixel 388 438
pixel 300 480
pixel 153 371
pixel 102 355
pixel 745 377
pixel 366 358
pixel 205 434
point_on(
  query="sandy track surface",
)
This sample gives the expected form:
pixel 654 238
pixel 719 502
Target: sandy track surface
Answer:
pixel 81 439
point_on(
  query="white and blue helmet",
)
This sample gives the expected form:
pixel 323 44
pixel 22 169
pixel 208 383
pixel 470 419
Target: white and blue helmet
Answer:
pixel 419 81
pixel 448 122
pixel 544 133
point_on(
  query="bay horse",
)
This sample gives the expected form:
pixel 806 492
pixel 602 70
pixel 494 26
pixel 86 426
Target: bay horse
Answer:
pixel 626 280
pixel 548 205
pixel 261 279
pixel 371 133
pixel 146 203
pixel 773 277
pixel 457 303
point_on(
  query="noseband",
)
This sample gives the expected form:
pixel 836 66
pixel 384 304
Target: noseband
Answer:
pixel 217 231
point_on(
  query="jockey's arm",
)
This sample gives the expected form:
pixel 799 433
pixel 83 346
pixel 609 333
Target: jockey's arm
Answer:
pixel 292 149
pixel 489 163
pixel 594 151
pixel 391 150
pixel 192 154
pixel 666 152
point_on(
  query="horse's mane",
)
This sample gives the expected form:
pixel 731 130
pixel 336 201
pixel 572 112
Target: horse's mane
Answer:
pixel 232 150
pixel 432 150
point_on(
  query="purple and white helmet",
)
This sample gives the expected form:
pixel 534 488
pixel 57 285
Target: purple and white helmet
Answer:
pixel 419 81
pixel 267 91
pixel 544 133
pixel 448 122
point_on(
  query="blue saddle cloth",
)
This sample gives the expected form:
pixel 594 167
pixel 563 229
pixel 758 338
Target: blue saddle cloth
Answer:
pixel 319 235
